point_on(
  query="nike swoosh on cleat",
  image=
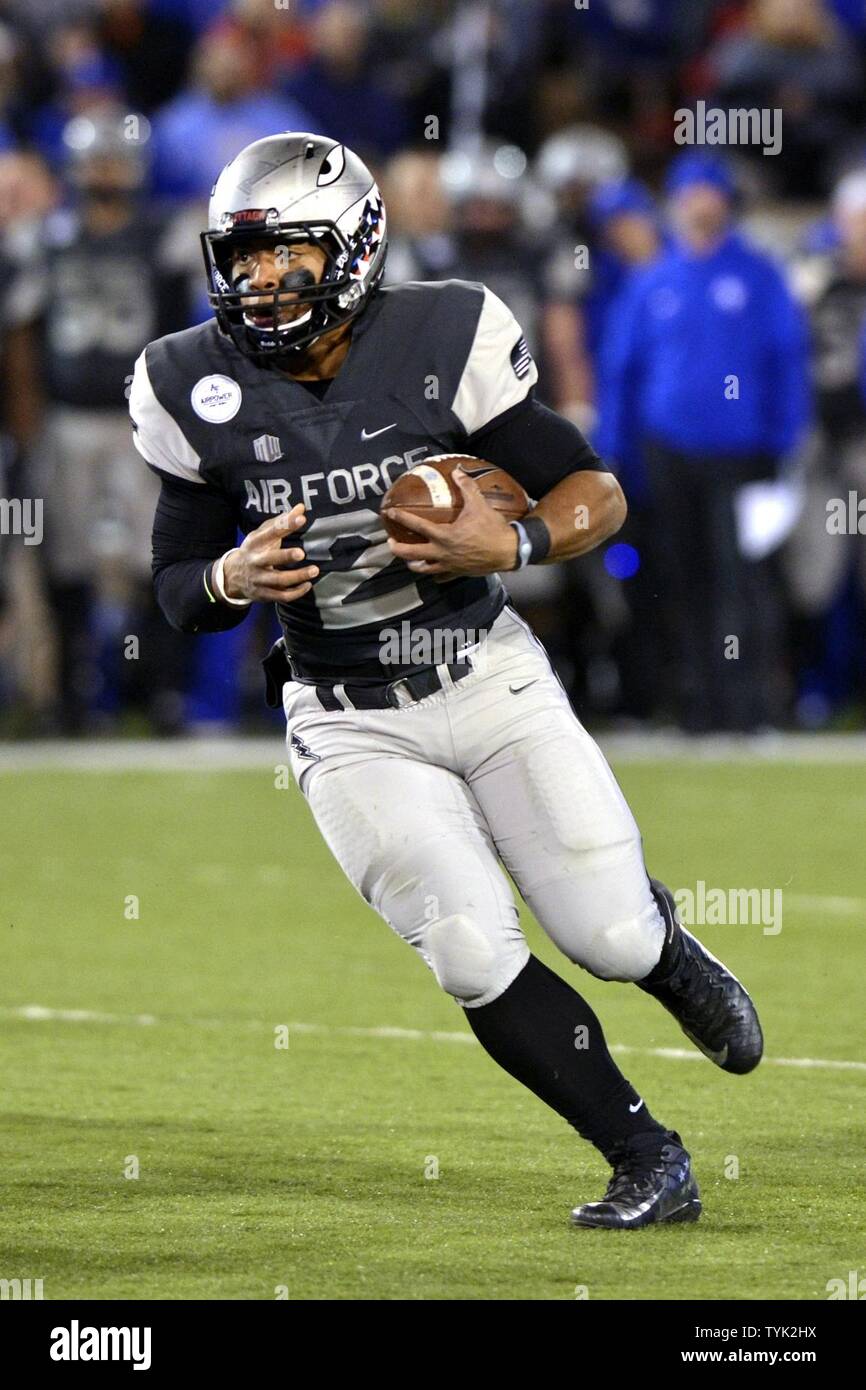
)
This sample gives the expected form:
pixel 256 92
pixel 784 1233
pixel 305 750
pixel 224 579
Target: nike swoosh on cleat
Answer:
pixel 373 433
pixel 635 1108
pixel 720 1058
pixel 516 689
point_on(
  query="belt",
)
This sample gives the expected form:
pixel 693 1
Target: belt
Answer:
pixel 406 690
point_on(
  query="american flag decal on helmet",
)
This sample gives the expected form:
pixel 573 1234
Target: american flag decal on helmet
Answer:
pixel 521 358
pixel 369 234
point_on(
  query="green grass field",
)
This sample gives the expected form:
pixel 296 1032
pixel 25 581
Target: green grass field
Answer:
pixel 303 1168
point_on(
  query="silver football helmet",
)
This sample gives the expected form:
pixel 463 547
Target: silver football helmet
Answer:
pixel 107 135
pixel 294 187
pixel 581 154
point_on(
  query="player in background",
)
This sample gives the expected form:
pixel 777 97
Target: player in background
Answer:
pixel 287 417
pixel 104 276
pixel 819 562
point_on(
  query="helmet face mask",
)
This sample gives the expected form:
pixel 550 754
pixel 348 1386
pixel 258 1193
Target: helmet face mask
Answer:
pixel 304 176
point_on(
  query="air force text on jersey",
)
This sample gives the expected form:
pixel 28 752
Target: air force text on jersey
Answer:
pixel 341 485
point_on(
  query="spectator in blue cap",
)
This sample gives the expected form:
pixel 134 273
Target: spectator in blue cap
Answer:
pixel 699 169
pixel 710 371
pixel 620 198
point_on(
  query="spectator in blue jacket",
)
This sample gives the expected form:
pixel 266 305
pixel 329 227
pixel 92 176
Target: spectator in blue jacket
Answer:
pixel 710 367
pixel 203 127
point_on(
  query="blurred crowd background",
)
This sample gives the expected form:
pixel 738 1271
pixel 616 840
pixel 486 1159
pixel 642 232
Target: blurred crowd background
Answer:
pixel 698 310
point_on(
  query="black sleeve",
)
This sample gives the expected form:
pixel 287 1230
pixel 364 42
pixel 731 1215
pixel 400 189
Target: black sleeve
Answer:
pixel 535 445
pixel 194 525
pixel 172 303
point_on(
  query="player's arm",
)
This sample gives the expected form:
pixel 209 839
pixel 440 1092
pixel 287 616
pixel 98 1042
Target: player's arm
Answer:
pixel 580 502
pixel 192 528
pixel 578 514
pixel 204 581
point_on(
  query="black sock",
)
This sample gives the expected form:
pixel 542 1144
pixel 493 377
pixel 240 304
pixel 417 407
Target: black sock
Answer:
pixel 531 1031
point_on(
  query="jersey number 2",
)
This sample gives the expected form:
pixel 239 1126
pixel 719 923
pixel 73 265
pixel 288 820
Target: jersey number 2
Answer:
pixel 362 537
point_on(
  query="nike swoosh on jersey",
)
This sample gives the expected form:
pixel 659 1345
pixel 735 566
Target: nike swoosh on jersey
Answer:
pixel 516 689
pixel 372 434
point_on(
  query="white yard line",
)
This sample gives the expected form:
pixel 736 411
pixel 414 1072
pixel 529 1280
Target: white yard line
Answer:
pixel 842 907
pixel 229 752
pixel 37 1013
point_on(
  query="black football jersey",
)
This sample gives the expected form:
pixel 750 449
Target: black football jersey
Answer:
pixel 428 366
pixel 836 320
pixel 97 300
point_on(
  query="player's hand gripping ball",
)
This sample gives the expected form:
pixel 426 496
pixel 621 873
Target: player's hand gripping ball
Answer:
pixel 449 516
pixel 429 491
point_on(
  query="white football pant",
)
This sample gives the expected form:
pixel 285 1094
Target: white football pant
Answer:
pixel 419 804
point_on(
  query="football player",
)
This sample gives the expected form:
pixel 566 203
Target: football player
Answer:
pixel 99 281
pixel 288 416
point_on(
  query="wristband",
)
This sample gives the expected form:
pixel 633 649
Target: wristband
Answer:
pixel 524 545
pixel 539 535
pixel 218 585
pixel 533 541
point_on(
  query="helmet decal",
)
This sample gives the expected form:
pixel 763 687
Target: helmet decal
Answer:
pixel 332 168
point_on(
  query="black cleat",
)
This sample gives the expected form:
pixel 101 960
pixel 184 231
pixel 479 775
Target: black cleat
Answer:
pixel 709 1003
pixel 652 1182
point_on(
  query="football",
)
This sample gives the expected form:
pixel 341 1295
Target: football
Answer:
pixel 428 490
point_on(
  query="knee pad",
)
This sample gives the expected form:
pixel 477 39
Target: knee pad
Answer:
pixel 466 962
pixel 627 950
